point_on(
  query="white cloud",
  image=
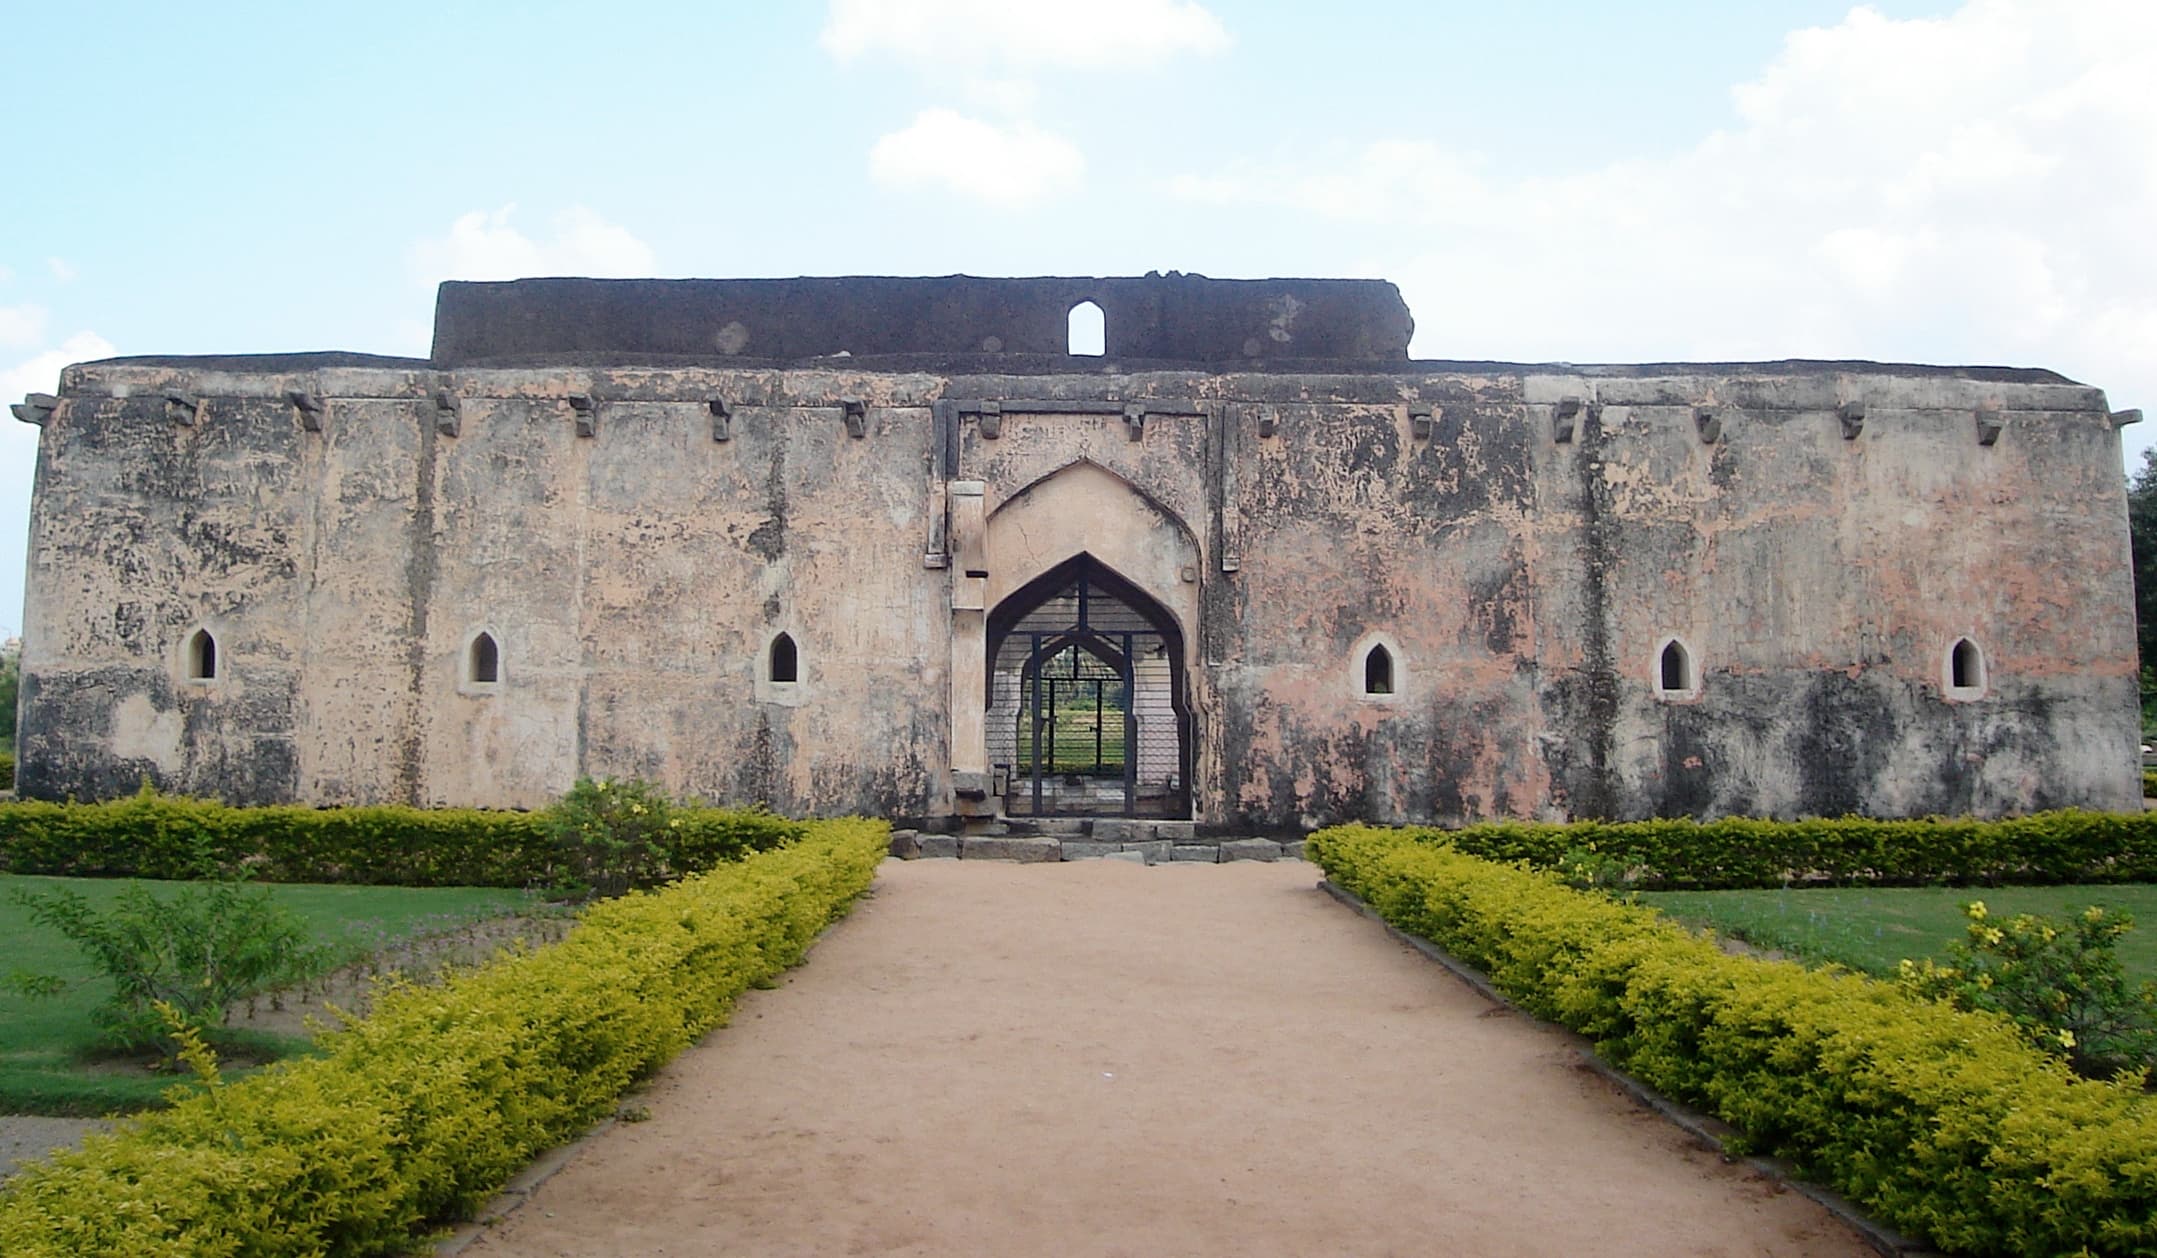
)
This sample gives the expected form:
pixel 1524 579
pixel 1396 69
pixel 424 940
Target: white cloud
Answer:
pixel 1072 34
pixel 62 270
pixel 484 245
pixel 40 373
pixel 1978 187
pixel 1012 165
pixel 22 325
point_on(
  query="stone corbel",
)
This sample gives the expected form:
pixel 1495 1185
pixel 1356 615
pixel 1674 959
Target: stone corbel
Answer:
pixel 1134 421
pixel 309 406
pixel 722 419
pixel 1852 415
pixel 1421 421
pixel 856 414
pixel 1990 420
pixel 991 420
pixel 1564 419
pixel 448 413
pixel 1709 423
pixel 35 408
pixel 586 409
pixel 2120 419
pixel 1269 420
pixel 183 408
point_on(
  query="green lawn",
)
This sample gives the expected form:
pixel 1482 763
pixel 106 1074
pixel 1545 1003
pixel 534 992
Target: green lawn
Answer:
pixel 1872 928
pixel 48 1058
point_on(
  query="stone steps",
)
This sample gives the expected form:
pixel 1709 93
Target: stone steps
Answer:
pixel 1029 848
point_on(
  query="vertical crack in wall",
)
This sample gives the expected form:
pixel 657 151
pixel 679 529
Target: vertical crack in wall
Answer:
pixel 1598 541
pixel 421 565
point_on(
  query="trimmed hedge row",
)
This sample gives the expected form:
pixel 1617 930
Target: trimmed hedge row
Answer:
pixel 2048 847
pixel 417 1113
pixel 158 836
pixel 1944 1124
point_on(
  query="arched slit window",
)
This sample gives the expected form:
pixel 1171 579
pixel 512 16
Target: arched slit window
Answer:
pixel 1676 676
pixel 1965 670
pixel 785 659
pixel 201 656
pixel 485 664
pixel 1086 328
pixel 1378 671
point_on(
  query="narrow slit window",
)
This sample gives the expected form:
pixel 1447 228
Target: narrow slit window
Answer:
pixel 1965 669
pixel 1086 329
pixel 201 656
pixel 785 659
pixel 486 665
pixel 1378 672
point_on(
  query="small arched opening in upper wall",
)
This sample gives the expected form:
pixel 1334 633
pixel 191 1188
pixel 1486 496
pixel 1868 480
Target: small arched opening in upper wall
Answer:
pixel 785 659
pixel 200 656
pixel 1086 330
pixel 1677 673
pixel 483 662
pixel 1965 670
pixel 1378 670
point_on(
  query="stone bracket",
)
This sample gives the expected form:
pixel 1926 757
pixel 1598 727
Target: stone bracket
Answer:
pixel 309 406
pixel 2120 419
pixel 1269 419
pixel 586 409
pixel 1564 419
pixel 1134 421
pixel 448 413
pixel 1852 415
pixel 1990 420
pixel 183 408
pixel 35 408
pixel 722 418
pixel 1709 422
pixel 856 414
pixel 1421 421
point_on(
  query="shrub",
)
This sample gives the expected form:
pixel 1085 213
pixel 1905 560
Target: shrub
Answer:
pixel 1943 1122
pixel 2061 983
pixel 176 961
pixel 157 836
pixel 611 836
pixel 1733 852
pixel 416 1114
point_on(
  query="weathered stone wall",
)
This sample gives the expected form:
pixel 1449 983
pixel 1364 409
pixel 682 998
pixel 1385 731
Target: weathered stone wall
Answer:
pixel 1522 543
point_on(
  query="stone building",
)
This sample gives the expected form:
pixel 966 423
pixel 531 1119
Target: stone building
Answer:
pixel 886 545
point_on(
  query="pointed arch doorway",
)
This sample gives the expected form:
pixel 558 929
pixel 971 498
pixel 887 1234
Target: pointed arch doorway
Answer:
pixel 1088 712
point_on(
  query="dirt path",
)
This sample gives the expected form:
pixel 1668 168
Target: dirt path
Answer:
pixel 1105 1058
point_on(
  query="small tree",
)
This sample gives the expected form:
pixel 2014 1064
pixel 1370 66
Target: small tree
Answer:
pixel 193 952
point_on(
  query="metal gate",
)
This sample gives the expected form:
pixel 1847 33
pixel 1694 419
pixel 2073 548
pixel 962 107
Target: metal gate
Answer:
pixel 1085 702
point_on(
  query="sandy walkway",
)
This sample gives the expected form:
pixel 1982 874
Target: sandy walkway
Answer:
pixel 1105 1058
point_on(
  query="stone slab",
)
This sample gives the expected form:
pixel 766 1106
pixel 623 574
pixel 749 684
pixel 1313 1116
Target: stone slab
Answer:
pixel 1117 830
pixel 1292 850
pixel 1075 850
pixel 1175 831
pixel 1136 858
pixel 1207 853
pixel 906 844
pixel 1009 848
pixel 1152 851
pixel 1061 827
pixel 1250 850
pixel 939 845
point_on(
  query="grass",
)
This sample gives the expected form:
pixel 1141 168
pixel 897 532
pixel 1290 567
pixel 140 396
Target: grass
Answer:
pixel 49 1059
pixel 1873 928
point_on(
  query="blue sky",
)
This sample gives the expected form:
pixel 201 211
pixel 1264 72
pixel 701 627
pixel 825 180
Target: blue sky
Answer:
pixel 1941 182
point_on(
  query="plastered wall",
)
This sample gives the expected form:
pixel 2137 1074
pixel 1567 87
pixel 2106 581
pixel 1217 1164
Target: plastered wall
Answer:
pixel 1522 544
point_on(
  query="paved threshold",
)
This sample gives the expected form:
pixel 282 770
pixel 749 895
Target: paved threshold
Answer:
pixel 1106 1058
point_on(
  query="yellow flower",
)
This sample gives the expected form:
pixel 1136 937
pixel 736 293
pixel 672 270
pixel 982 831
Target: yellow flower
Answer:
pixel 1976 910
pixel 2094 913
pixel 2067 1038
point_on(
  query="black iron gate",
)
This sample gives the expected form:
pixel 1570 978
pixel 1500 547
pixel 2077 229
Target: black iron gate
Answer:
pixel 1089 687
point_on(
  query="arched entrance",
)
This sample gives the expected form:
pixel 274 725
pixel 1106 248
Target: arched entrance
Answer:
pixel 1087 706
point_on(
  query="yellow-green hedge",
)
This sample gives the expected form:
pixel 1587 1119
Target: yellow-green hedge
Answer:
pixel 2069 845
pixel 417 1113
pixel 1944 1124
